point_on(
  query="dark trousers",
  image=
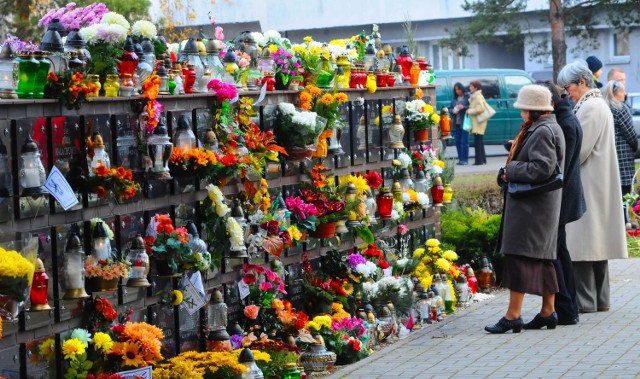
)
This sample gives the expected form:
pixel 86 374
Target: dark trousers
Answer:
pixel 462 143
pixel 566 302
pixel 478 145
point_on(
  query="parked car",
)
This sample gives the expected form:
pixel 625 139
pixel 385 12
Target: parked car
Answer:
pixel 634 101
pixel 500 88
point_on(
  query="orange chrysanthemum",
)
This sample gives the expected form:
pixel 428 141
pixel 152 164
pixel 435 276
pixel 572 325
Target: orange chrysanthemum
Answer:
pixel 341 97
pixel 326 99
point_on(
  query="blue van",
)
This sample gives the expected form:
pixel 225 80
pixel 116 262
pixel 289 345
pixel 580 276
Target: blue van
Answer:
pixel 500 88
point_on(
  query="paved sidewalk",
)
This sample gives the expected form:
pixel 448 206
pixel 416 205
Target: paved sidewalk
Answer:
pixel 602 345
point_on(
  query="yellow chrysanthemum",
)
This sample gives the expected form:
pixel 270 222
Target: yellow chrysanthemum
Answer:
pixel 46 349
pixel 435 118
pixel 348 288
pixel 413 195
pixel 14 265
pixel 102 341
pixel 432 242
pixel 443 264
pixel 339 42
pixel 427 108
pixel 313 326
pixel 73 347
pixel 417 253
pixel 307 39
pixel 273 48
pixel 360 182
pixel 439 163
pixel 261 356
pixel 176 297
pixel 323 321
pixel 426 281
pixel 450 255
pixel 295 233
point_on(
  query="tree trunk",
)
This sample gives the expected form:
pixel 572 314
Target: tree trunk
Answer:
pixel 558 44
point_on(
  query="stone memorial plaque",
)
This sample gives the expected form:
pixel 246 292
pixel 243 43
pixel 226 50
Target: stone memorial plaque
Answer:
pixel 235 305
pixel 10 358
pixel 188 331
pixel 102 124
pixel 374 123
pixel 67 154
pixel 40 358
pixel 6 178
pixel 163 317
pixel 295 285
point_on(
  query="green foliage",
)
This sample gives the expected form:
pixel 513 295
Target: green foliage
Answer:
pixel 410 33
pixel 78 367
pixel 473 232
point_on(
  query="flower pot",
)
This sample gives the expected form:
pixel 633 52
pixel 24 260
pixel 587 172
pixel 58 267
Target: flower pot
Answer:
pixel 421 135
pixel 327 230
pixel 299 153
pixel 102 285
pixel 9 307
pixel 282 84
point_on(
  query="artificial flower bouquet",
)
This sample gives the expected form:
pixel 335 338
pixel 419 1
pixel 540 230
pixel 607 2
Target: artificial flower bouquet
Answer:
pixel 285 65
pixel 220 229
pixel 169 245
pixel 16 275
pixel 110 267
pixel 432 260
pixel 326 105
pixel 320 191
pixel 349 341
pixel 136 344
pixel 206 164
pixel 117 182
pixel 99 314
pixel 420 115
pixel 298 131
pixel 105 41
pixel 73 17
pixel 262 313
pixel 70 88
pixel 209 365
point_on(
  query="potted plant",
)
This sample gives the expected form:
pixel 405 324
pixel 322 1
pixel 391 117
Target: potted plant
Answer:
pixel 419 116
pixel 326 105
pixel 285 67
pixel 298 131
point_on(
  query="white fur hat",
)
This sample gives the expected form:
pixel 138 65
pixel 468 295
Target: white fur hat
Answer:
pixel 534 97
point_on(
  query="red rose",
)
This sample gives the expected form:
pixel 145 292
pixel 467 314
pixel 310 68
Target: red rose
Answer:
pixel 383 264
pixel 228 160
pixel 286 237
pixel 249 278
pixel 117 329
pixel 101 192
pixel 272 227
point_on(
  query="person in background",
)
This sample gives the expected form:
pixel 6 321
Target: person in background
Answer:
pixel 600 234
pixel 530 224
pixel 626 138
pixel 477 106
pixel 595 66
pixel 572 207
pixel 459 105
pixel 618 75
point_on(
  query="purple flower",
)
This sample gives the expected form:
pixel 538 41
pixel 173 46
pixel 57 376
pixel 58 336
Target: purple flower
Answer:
pixel 236 341
pixel 356 259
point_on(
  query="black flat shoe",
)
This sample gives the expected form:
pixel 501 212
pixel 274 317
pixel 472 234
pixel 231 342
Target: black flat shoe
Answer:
pixel 568 321
pixel 538 322
pixel 505 325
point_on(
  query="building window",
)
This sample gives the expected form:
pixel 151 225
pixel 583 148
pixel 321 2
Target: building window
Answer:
pixel 621 44
pixel 447 59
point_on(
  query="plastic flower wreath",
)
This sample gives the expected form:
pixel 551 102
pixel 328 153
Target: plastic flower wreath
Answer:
pixel 170 244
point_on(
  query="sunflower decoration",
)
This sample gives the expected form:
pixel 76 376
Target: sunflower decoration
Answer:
pixel 138 344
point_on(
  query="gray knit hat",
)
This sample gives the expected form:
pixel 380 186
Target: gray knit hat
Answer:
pixel 534 97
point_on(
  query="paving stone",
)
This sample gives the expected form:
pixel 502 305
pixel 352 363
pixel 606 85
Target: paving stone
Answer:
pixel 603 344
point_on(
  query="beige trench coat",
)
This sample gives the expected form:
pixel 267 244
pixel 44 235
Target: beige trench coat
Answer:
pixel 600 234
pixel 477 106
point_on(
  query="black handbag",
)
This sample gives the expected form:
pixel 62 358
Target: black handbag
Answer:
pixel 520 190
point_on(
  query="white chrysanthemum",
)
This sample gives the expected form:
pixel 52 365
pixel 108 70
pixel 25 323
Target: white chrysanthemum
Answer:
pixel 307 119
pixel 397 205
pixel 423 199
pixel 114 34
pixel 259 38
pixel 394 215
pixel 370 289
pixel 234 229
pixel 405 160
pixel 144 29
pixel 388 282
pixel 406 197
pixel 315 44
pixel 401 263
pixel 112 18
pixel 222 209
pixel 366 269
pixel 174 48
pixel 202 260
pixel 214 193
pixel 90 34
pixel 287 108
pixel 335 50
pixel 436 169
pixel 273 36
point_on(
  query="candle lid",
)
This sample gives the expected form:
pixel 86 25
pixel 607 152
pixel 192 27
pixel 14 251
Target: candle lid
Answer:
pixel 6 52
pixel 246 356
pixel 192 229
pixel 73 242
pixel 147 46
pixel 190 47
pixel 184 122
pixel 29 145
pixel 138 243
pixel 39 265
pixel 99 231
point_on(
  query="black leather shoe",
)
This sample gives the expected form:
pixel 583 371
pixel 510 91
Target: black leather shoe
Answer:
pixel 505 325
pixel 538 322
pixel 568 321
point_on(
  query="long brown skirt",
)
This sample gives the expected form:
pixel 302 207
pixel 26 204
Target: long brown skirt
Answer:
pixel 529 275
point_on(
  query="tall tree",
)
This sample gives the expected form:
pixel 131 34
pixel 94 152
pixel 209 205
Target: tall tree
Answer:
pixel 493 20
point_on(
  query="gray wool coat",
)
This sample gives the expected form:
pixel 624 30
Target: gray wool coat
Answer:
pixel 530 224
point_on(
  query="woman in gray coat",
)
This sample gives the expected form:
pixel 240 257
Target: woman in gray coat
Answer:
pixel 530 224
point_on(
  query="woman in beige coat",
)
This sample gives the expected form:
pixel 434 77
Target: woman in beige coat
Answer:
pixel 477 105
pixel 600 234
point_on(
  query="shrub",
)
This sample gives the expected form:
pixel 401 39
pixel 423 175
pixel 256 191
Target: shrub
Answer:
pixel 473 232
